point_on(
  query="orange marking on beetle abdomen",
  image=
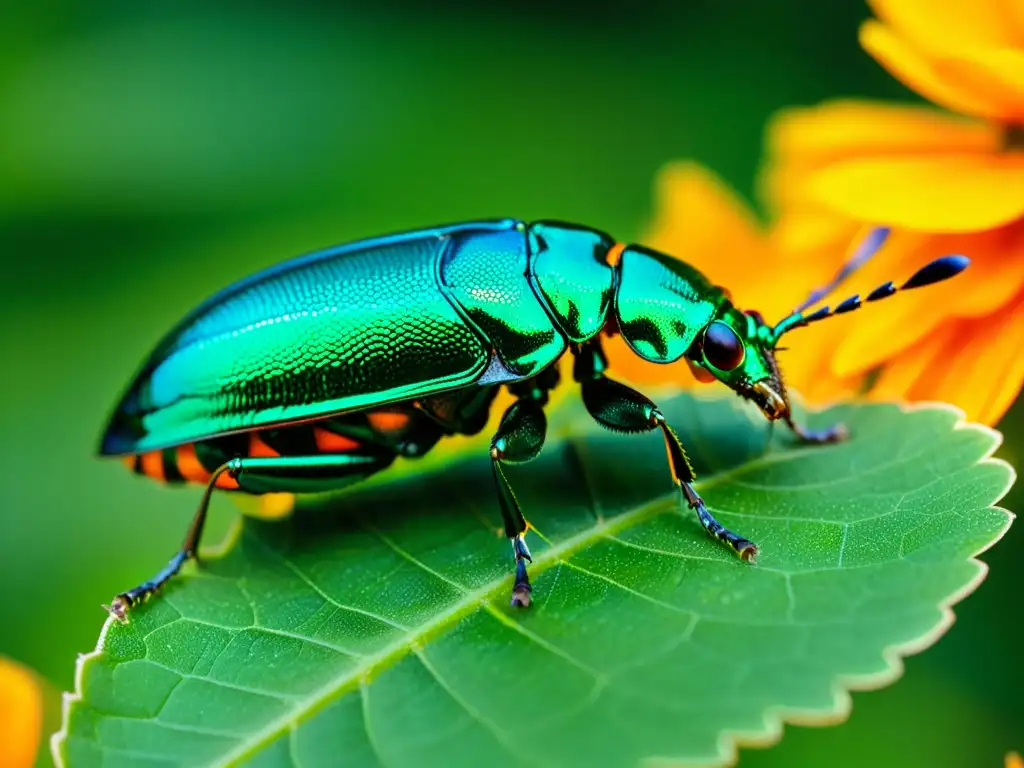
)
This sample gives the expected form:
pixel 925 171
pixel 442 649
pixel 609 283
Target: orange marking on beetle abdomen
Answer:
pixel 226 482
pixel 331 442
pixel 614 255
pixel 388 421
pixel 258 448
pixel 189 466
pixel 153 465
pixel 129 461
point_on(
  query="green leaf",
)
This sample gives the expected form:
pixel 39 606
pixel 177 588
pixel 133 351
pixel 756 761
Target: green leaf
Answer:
pixel 380 634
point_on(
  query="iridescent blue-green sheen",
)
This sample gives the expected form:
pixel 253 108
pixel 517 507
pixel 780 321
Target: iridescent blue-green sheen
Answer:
pixel 335 330
pixel 366 324
pixel 485 273
pixel 662 304
pixel 571 271
pixel 409 316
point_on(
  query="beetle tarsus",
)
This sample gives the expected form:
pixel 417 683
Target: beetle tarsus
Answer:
pixel 121 604
pixel 743 547
pixel 748 551
pixel 522 552
pixel 833 434
pixel 522 590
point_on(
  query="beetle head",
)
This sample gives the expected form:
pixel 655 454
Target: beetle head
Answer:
pixel 737 349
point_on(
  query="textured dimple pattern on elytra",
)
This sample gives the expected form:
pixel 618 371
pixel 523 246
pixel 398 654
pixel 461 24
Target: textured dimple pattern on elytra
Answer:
pixel 487 274
pixel 362 327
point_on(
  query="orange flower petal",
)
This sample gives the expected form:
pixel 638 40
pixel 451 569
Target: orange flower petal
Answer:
pixel 994 279
pixel 837 129
pixel 982 370
pixel 1013 13
pixel 702 221
pixel 996 273
pixel 804 139
pixel 805 362
pixel 624 365
pixel 21 716
pixel 806 231
pixel 903 371
pixel 1013 760
pixel 914 69
pixel 878 331
pixel 947 25
pixel 995 75
pixel 952 193
pixel 823 388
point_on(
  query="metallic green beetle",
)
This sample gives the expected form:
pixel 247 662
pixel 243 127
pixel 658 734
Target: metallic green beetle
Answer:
pixel 319 372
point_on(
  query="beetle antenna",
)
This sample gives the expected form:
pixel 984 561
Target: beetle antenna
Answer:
pixel 868 246
pixel 936 271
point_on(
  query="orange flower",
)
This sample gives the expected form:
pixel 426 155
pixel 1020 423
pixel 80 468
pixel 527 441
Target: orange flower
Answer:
pixel 958 342
pixel 945 184
pixel 942 343
pixel 966 55
pixel 21 715
pixel 1013 760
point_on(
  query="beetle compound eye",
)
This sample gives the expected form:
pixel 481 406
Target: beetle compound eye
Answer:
pixel 723 349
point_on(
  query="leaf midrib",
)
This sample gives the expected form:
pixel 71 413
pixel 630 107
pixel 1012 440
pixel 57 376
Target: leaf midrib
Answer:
pixel 467 604
pixel 474 599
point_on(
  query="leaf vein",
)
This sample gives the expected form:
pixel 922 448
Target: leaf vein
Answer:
pixel 408 556
pixel 224 684
pixel 544 643
pixel 364 695
pixel 501 736
pixel 628 590
pixel 305 578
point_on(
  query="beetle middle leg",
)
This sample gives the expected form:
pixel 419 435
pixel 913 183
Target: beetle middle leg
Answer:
pixel 519 438
pixel 622 409
pixel 293 474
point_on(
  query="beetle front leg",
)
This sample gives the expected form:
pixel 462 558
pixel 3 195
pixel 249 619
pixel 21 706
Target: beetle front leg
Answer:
pixel 519 438
pixel 833 434
pixel 621 409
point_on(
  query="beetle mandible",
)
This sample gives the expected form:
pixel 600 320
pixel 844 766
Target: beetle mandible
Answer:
pixel 319 372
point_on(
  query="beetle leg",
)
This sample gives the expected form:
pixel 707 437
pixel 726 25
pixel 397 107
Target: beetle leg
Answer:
pixel 294 474
pixel 834 434
pixel 622 409
pixel 519 438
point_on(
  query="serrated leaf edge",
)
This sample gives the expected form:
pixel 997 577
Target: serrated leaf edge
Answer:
pixel 775 718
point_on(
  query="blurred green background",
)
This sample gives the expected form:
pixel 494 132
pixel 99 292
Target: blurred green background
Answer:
pixel 151 153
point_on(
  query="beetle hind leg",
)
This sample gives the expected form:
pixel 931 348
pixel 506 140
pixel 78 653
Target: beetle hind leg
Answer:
pixel 120 605
pixel 294 474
